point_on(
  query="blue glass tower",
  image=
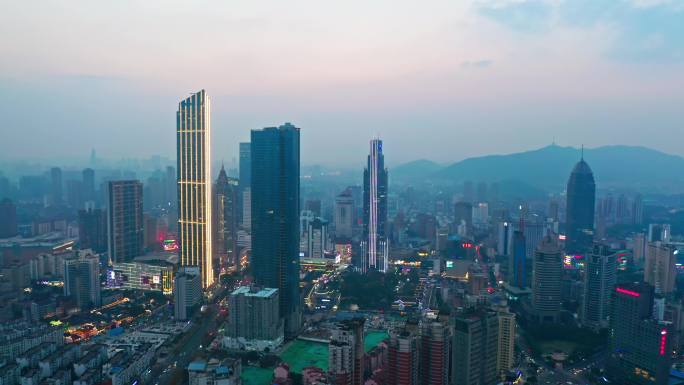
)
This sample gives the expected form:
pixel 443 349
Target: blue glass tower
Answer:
pixel 275 216
pixel 519 273
pixel 580 209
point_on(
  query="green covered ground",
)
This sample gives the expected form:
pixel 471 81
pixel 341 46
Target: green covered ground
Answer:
pixel 300 354
pixel 373 339
pixel 256 376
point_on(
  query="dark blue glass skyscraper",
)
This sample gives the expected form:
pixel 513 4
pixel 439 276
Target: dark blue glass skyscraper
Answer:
pixel 275 216
pixel 580 209
pixel 519 273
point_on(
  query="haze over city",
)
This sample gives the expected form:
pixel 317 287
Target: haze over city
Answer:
pixel 390 192
pixel 443 81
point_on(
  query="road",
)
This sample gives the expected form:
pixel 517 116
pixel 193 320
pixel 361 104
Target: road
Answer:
pixel 552 376
pixel 183 352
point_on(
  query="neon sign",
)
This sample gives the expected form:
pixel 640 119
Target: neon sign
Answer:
pixel 663 341
pixel 628 292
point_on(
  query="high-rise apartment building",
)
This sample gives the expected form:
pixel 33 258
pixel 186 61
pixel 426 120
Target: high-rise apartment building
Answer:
pixel 403 358
pixel 225 221
pixel 82 280
pixel 376 244
pixel 640 347
pixel 637 209
pixel 346 353
pixel 599 280
pixel 125 226
pixel 151 240
pixel 92 229
pixel 8 218
pixel 659 232
pixel 639 249
pixel 659 267
pixel 254 319
pixel 546 281
pixel 187 293
pixel 463 215
pixel 435 345
pixel 275 216
pixel 581 197
pixel 317 238
pixel 504 235
pixel 474 349
pixel 193 128
pixel 505 356
pixel 344 215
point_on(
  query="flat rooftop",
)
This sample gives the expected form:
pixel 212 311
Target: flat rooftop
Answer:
pixel 248 292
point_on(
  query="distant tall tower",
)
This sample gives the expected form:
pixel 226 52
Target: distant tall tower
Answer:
pixel 376 250
pixel 125 220
pixel 581 197
pixel 245 184
pixel 275 217
pixel 225 220
pixel 193 127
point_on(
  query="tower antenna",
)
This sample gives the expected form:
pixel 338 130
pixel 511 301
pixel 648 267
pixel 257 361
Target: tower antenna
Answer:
pixel 582 152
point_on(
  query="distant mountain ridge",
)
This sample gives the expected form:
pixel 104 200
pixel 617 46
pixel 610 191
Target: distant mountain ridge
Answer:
pixel 548 168
pixel 415 169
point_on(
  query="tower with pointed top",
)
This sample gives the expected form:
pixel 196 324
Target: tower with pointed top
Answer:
pixel 581 197
pixel 193 135
pixel 225 212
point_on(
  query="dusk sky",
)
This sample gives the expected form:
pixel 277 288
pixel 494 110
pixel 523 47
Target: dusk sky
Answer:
pixel 441 80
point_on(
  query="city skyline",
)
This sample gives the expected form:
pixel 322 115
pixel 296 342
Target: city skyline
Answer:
pixel 527 226
pixel 507 75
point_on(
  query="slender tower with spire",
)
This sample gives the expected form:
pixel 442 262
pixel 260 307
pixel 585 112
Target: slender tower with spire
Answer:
pixel 225 212
pixel 581 197
pixel 375 245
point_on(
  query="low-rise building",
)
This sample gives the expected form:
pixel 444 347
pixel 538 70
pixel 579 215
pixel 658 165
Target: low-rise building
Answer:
pixel 215 372
pixel 154 276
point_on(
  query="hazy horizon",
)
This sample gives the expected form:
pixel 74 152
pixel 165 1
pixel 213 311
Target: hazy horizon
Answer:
pixel 442 82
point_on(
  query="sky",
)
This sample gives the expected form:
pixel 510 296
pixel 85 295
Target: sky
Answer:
pixel 440 80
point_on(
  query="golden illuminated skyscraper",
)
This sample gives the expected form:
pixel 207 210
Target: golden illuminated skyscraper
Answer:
pixel 193 127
